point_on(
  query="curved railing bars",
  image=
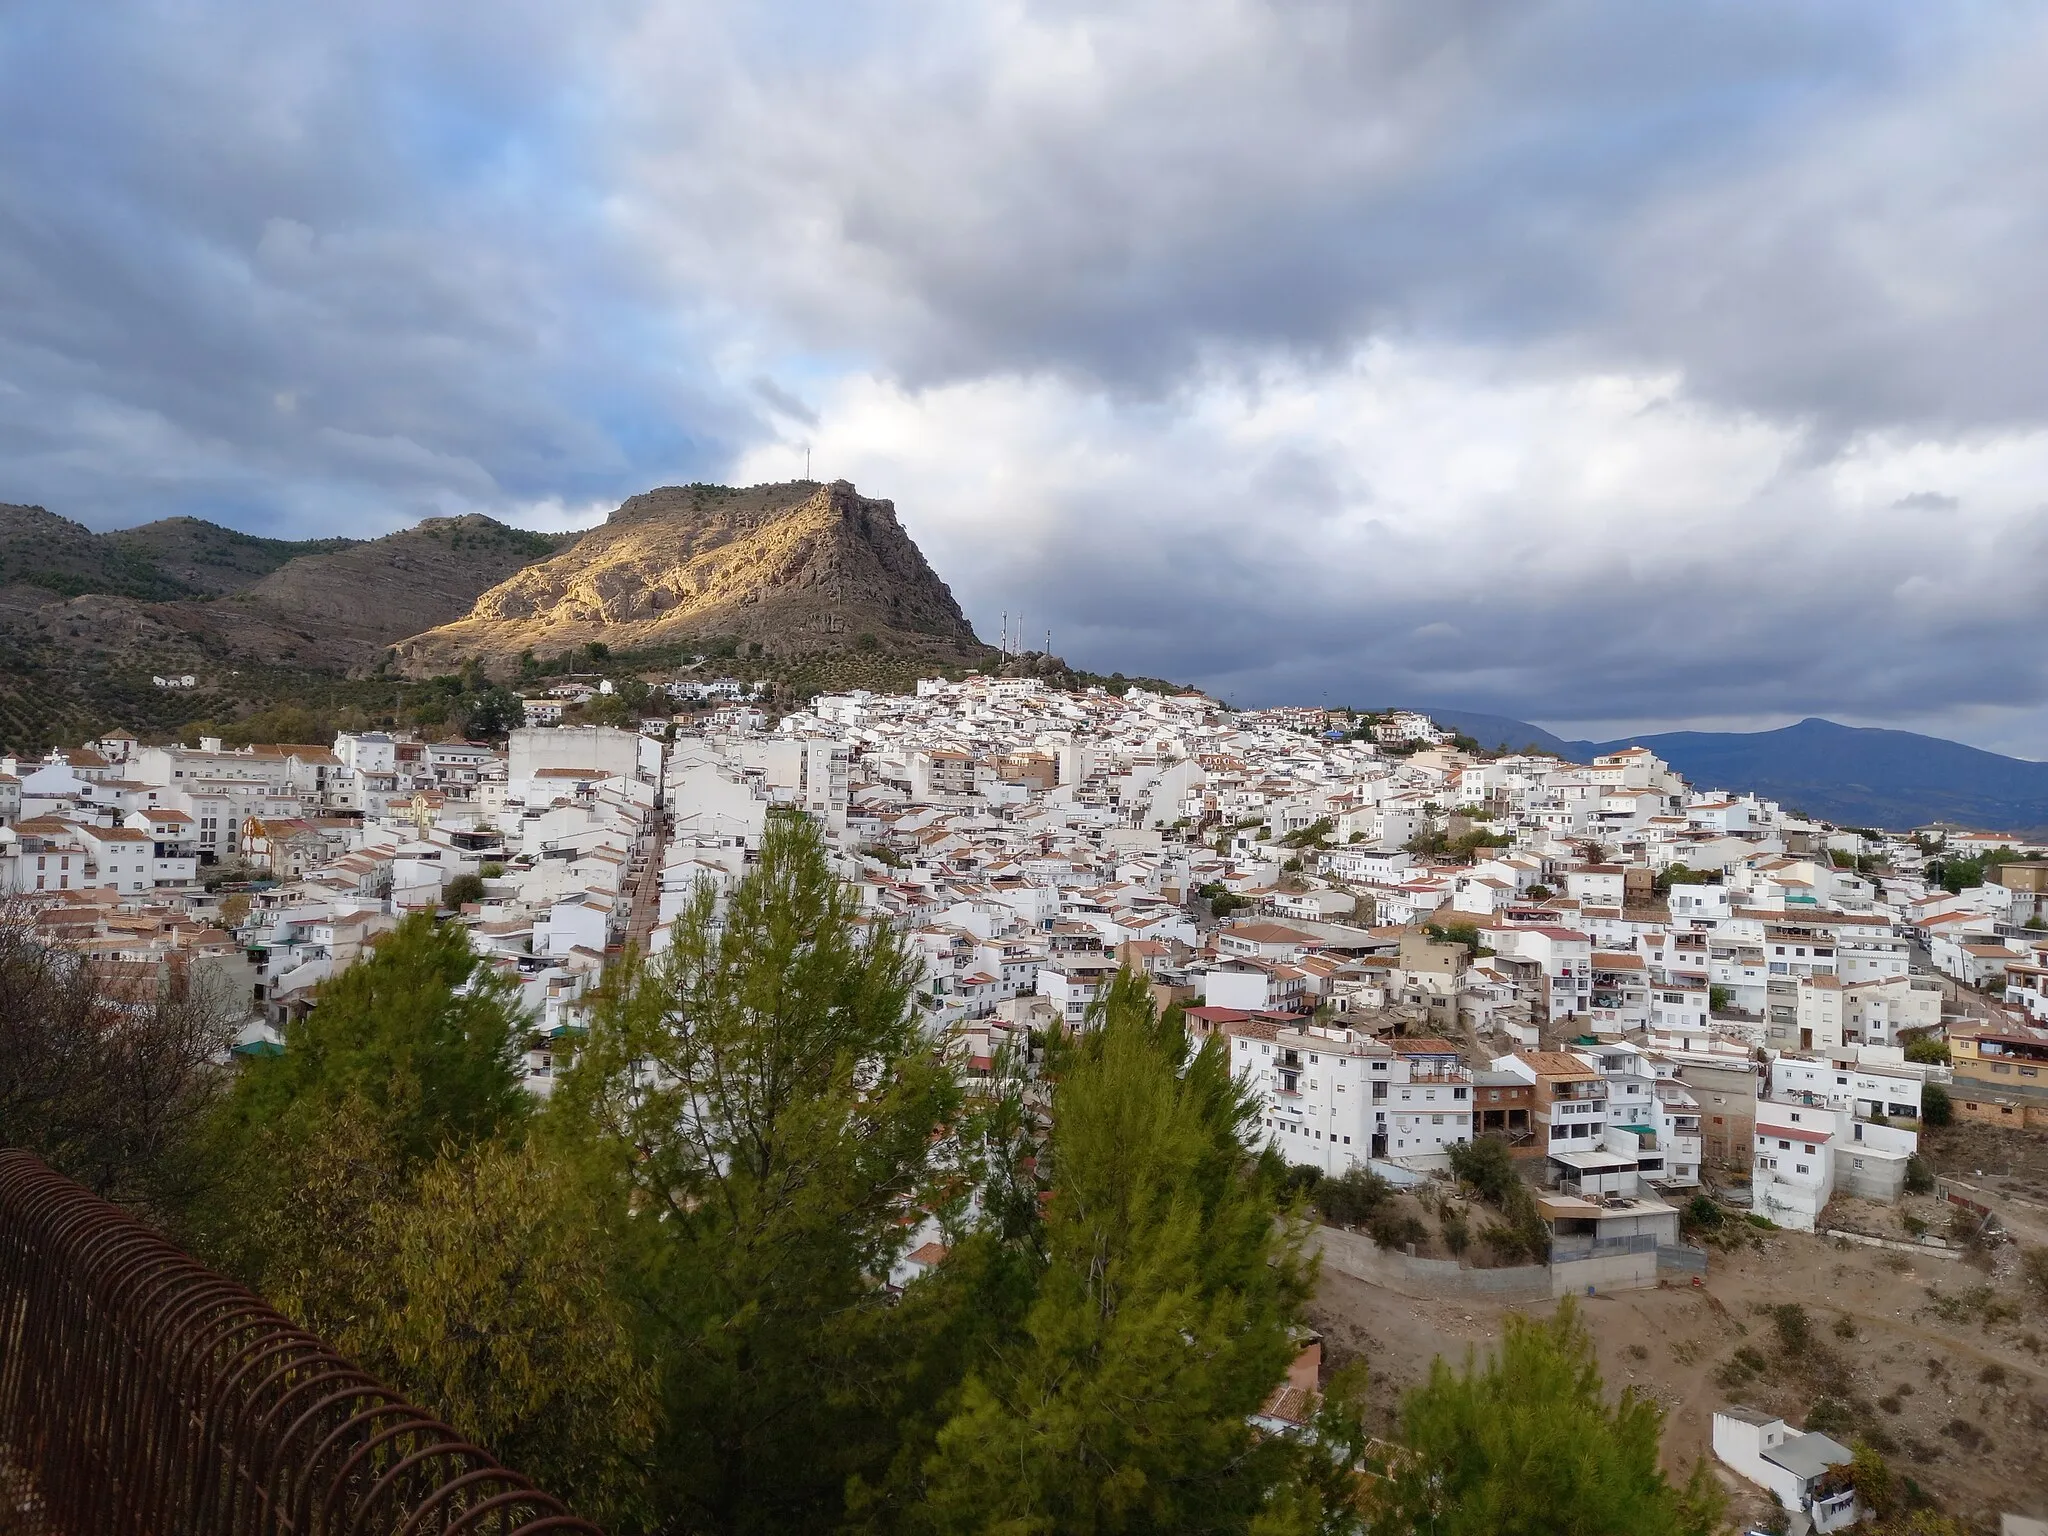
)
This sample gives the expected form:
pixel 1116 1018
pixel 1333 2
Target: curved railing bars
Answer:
pixel 143 1395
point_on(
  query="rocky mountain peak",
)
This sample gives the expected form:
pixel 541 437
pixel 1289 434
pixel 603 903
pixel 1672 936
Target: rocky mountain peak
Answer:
pixel 795 567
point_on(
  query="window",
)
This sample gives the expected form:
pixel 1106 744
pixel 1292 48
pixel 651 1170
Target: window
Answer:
pixel 1784 1146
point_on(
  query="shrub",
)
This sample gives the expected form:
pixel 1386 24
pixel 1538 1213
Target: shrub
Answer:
pixel 1396 1229
pixel 1935 1108
pixel 1702 1215
pixel 2034 1271
pixel 1352 1200
pixel 1964 1433
pixel 1795 1328
pixel 463 888
pixel 1845 1326
pixel 1919 1176
pixel 1487 1167
pixel 1831 1416
pixel 1457 1233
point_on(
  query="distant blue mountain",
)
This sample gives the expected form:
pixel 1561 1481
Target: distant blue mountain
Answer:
pixel 1848 775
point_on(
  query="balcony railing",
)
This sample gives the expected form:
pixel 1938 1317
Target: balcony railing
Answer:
pixel 140 1393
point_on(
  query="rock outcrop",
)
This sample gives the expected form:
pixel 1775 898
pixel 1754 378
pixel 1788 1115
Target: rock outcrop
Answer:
pixel 796 568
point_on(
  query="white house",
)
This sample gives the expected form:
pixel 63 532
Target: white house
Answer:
pixel 1335 1097
pixel 1793 1174
pixel 1800 1469
pixel 1073 983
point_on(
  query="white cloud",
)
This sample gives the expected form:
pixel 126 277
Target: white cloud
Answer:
pixel 1417 524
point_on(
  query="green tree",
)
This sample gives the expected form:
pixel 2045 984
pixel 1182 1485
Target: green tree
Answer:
pixel 419 1032
pixel 1526 1445
pixel 493 712
pixel 1162 1318
pixel 1679 874
pixel 1935 1108
pixel 1317 834
pixel 1487 1166
pixel 1928 1049
pixel 462 889
pixel 488 1300
pixel 763 1117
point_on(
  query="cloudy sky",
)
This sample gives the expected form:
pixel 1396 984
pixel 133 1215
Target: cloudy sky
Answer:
pixel 1608 365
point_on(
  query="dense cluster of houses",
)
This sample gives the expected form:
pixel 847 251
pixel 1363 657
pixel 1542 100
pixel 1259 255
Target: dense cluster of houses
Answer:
pixel 1405 944
pixel 330 846
pixel 1626 976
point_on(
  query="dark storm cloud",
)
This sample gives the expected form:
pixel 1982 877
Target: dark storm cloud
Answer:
pixel 1569 359
pixel 282 268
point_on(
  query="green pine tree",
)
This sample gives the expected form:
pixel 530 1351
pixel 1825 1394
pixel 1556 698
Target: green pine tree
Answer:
pixel 767 1118
pixel 1162 1319
pixel 419 1032
pixel 1526 1445
pixel 413 1048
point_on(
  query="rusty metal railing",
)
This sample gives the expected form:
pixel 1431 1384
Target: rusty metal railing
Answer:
pixel 142 1393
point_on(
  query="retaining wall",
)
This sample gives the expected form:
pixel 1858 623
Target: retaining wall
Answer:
pixel 1355 1254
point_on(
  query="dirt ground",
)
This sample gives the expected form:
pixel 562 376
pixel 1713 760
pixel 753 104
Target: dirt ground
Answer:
pixel 1939 1363
pixel 2013 1163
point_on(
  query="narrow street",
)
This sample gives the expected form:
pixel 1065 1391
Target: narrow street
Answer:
pixel 645 908
pixel 646 899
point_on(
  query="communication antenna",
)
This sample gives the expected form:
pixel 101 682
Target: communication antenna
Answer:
pixel 807 461
pixel 1004 644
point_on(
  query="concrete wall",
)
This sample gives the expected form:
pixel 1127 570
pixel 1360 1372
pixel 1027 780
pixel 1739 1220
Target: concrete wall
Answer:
pixel 1881 1178
pixel 1610 1272
pixel 1972 1101
pixel 1355 1254
pixel 584 746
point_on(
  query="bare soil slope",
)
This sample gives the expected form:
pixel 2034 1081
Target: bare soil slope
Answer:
pixel 1938 1364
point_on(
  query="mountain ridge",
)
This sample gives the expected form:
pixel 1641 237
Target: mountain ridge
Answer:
pixel 1854 775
